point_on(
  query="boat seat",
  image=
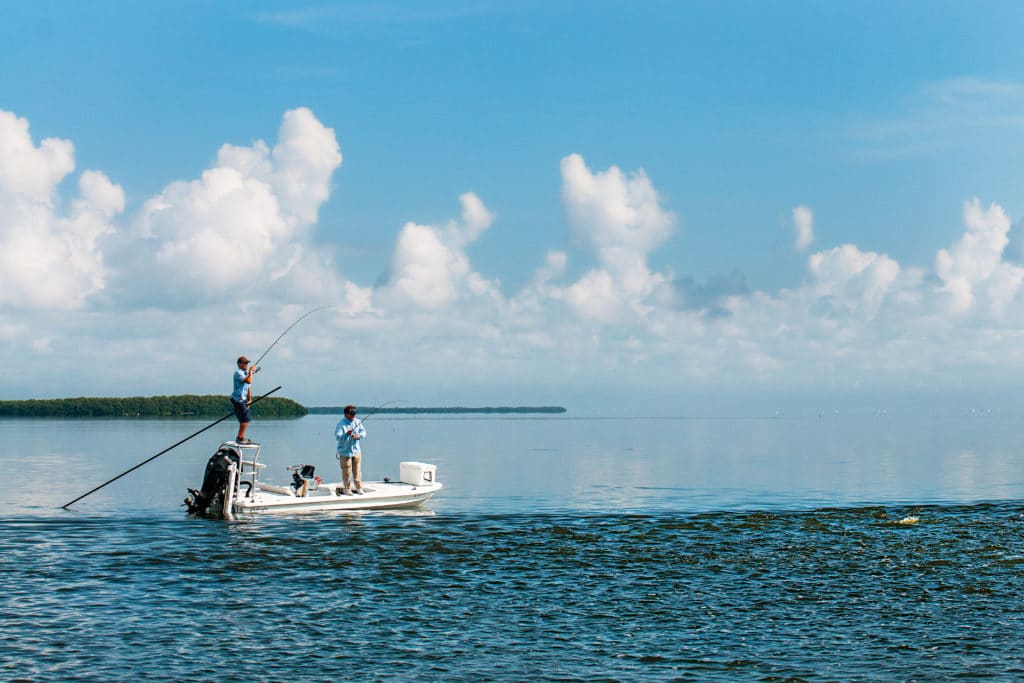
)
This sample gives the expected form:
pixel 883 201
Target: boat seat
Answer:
pixel 302 471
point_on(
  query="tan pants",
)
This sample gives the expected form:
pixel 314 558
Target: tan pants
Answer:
pixel 351 471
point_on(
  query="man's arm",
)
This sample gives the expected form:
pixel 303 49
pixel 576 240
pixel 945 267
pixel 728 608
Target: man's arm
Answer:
pixel 248 383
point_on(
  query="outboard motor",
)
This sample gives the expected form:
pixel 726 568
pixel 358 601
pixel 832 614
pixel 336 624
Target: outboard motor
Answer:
pixel 214 481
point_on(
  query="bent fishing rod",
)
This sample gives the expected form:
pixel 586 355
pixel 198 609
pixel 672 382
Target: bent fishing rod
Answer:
pixel 373 411
pixel 154 457
pixel 256 363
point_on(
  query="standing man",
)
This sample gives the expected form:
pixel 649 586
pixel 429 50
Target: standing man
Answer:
pixel 241 397
pixel 349 433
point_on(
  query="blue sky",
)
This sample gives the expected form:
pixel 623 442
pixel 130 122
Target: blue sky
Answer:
pixel 679 203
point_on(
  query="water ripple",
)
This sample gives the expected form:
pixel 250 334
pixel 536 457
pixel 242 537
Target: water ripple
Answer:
pixel 826 594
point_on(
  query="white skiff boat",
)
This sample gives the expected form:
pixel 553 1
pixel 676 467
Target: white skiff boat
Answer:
pixel 232 487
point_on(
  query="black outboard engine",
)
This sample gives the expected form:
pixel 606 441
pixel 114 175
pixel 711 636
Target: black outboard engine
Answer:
pixel 214 480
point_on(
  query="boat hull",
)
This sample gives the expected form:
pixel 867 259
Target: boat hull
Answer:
pixel 232 487
pixel 378 495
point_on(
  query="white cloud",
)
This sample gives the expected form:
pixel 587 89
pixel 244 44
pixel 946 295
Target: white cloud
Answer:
pixel 553 268
pixel 49 259
pixel 231 253
pixel 218 231
pixel 423 270
pixel 974 265
pixel 620 219
pixel 596 296
pixel 476 218
pixel 429 270
pixel 857 279
pixel 305 157
pixel 609 209
pixel 803 224
pixel 26 170
pixel 241 223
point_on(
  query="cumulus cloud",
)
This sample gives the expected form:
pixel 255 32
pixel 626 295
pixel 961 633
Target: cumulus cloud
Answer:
pixel 612 210
pixel 26 170
pixel 476 218
pixel 803 224
pixel 619 218
pixel 429 269
pixel 853 278
pixel 975 265
pixel 241 222
pixel 199 253
pixel 49 258
pixel 306 155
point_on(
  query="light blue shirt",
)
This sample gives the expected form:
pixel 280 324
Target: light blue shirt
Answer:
pixel 240 393
pixel 348 446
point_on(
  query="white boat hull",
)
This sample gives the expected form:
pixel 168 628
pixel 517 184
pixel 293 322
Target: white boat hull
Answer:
pixel 377 495
pixel 232 487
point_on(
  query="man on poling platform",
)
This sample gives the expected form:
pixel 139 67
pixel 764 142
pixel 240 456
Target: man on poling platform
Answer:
pixel 241 396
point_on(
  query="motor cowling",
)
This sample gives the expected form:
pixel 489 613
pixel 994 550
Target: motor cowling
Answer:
pixel 215 479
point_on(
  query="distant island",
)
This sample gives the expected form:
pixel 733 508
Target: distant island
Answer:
pixel 190 405
pixel 186 405
pixel 338 410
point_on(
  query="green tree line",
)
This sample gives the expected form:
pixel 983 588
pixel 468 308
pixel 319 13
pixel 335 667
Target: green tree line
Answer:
pixel 332 410
pixel 185 405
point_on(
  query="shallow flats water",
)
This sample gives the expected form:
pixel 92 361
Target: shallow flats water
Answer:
pixel 560 550
pixel 832 594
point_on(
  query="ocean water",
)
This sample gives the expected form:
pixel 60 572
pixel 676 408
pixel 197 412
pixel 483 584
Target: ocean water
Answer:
pixel 561 549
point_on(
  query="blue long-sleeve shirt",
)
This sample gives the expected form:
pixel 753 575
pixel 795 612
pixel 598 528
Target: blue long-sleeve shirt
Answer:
pixel 347 445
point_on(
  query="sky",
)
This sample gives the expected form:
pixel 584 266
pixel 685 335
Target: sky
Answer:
pixel 637 208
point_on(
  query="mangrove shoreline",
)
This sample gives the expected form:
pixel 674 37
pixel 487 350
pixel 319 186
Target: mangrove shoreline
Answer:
pixel 191 405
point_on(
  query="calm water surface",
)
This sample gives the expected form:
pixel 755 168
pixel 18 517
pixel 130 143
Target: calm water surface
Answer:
pixel 560 549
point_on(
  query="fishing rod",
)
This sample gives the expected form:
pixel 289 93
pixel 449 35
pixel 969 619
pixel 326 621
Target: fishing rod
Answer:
pixel 374 411
pixel 286 330
pixel 154 457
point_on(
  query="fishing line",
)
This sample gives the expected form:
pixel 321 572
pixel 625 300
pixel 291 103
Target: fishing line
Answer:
pixel 286 330
pixel 374 411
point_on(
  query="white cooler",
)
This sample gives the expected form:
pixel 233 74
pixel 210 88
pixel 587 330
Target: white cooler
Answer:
pixel 417 473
